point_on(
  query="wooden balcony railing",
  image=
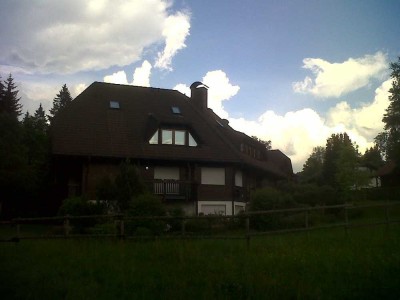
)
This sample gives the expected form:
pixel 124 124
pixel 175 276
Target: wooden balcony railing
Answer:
pixel 171 189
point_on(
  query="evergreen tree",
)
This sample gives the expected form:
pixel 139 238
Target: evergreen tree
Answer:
pixel 62 99
pixel 9 98
pixel 40 119
pixel 392 116
pixel 2 91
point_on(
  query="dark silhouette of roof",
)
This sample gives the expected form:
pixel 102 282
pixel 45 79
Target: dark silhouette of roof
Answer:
pixel 89 127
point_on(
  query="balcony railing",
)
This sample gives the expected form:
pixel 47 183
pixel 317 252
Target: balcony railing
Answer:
pixel 171 189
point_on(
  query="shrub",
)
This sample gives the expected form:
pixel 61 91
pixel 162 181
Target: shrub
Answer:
pixel 79 206
pixel 146 205
pixel 269 199
pixel 198 225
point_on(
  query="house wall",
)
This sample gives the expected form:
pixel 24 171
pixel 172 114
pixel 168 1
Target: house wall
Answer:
pixel 216 192
pixel 94 173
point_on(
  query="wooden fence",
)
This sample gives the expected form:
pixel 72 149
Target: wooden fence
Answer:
pixel 242 226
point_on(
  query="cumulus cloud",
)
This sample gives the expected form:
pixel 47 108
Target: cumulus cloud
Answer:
pixel 183 88
pixel 141 76
pixel 365 120
pixel 117 77
pixel 219 90
pixel 294 133
pixel 68 36
pixel 337 79
pixel 176 29
pixel 297 133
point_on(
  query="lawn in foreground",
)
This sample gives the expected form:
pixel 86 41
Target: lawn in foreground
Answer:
pixel 365 264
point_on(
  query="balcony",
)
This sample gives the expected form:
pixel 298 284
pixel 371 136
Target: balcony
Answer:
pixel 170 189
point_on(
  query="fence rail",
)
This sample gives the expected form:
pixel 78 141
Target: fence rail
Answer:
pixel 242 226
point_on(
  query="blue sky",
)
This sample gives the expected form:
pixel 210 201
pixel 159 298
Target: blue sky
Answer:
pixel 290 71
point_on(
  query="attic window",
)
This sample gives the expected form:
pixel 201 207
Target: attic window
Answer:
pixel 114 104
pixel 177 137
pixel 176 110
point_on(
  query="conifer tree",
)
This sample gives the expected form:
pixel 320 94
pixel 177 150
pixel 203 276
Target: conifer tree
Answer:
pixel 40 119
pixel 9 98
pixel 2 90
pixel 62 99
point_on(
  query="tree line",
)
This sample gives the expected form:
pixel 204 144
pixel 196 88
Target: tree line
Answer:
pixel 25 160
pixel 340 164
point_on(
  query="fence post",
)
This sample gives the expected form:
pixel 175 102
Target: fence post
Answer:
pixel 387 216
pixel 346 215
pixel 66 226
pixel 18 228
pixel 121 228
pixel 183 227
pixel 306 218
pixel 248 231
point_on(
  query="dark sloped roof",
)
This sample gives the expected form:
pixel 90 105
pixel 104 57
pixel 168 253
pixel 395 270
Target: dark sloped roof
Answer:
pixel 89 127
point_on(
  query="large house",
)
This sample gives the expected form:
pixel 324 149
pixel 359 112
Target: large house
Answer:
pixel 183 150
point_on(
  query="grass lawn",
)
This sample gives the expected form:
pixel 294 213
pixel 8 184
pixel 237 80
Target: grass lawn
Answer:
pixel 325 264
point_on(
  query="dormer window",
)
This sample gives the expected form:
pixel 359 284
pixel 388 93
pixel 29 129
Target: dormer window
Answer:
pixel 179 137
pixel 114 104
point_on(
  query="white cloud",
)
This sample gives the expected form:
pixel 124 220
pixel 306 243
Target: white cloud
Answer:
pixel 176 29
pixel 68 36
pixel 336 79
pixel 141 76
pixel 366 120
pixel 219 90
pixel 117 77
pixel 183 88
pixel 297 132
pixel 294 133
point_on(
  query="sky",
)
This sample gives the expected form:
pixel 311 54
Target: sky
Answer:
pixel 293 72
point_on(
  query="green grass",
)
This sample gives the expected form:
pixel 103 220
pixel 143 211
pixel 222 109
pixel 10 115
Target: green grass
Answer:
pixel 325 264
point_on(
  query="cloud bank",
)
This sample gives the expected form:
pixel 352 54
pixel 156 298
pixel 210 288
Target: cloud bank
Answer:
pixel 69 36
pixel 337 79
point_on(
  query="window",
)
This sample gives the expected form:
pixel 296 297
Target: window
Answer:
pixel 238 179
pixel 176 110
pixel 192 141
pixel 166 137
pixel 154 138
pixel 180 137
pixel 214 176
pixel 114 104
pixel 173 137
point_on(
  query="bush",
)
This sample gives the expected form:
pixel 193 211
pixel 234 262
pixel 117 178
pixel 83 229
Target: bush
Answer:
pixel 79 206
pixel 269 199
pixel 198 225
pixel 146 205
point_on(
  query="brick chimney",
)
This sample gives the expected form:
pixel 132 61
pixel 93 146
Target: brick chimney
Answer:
pixel 199 95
